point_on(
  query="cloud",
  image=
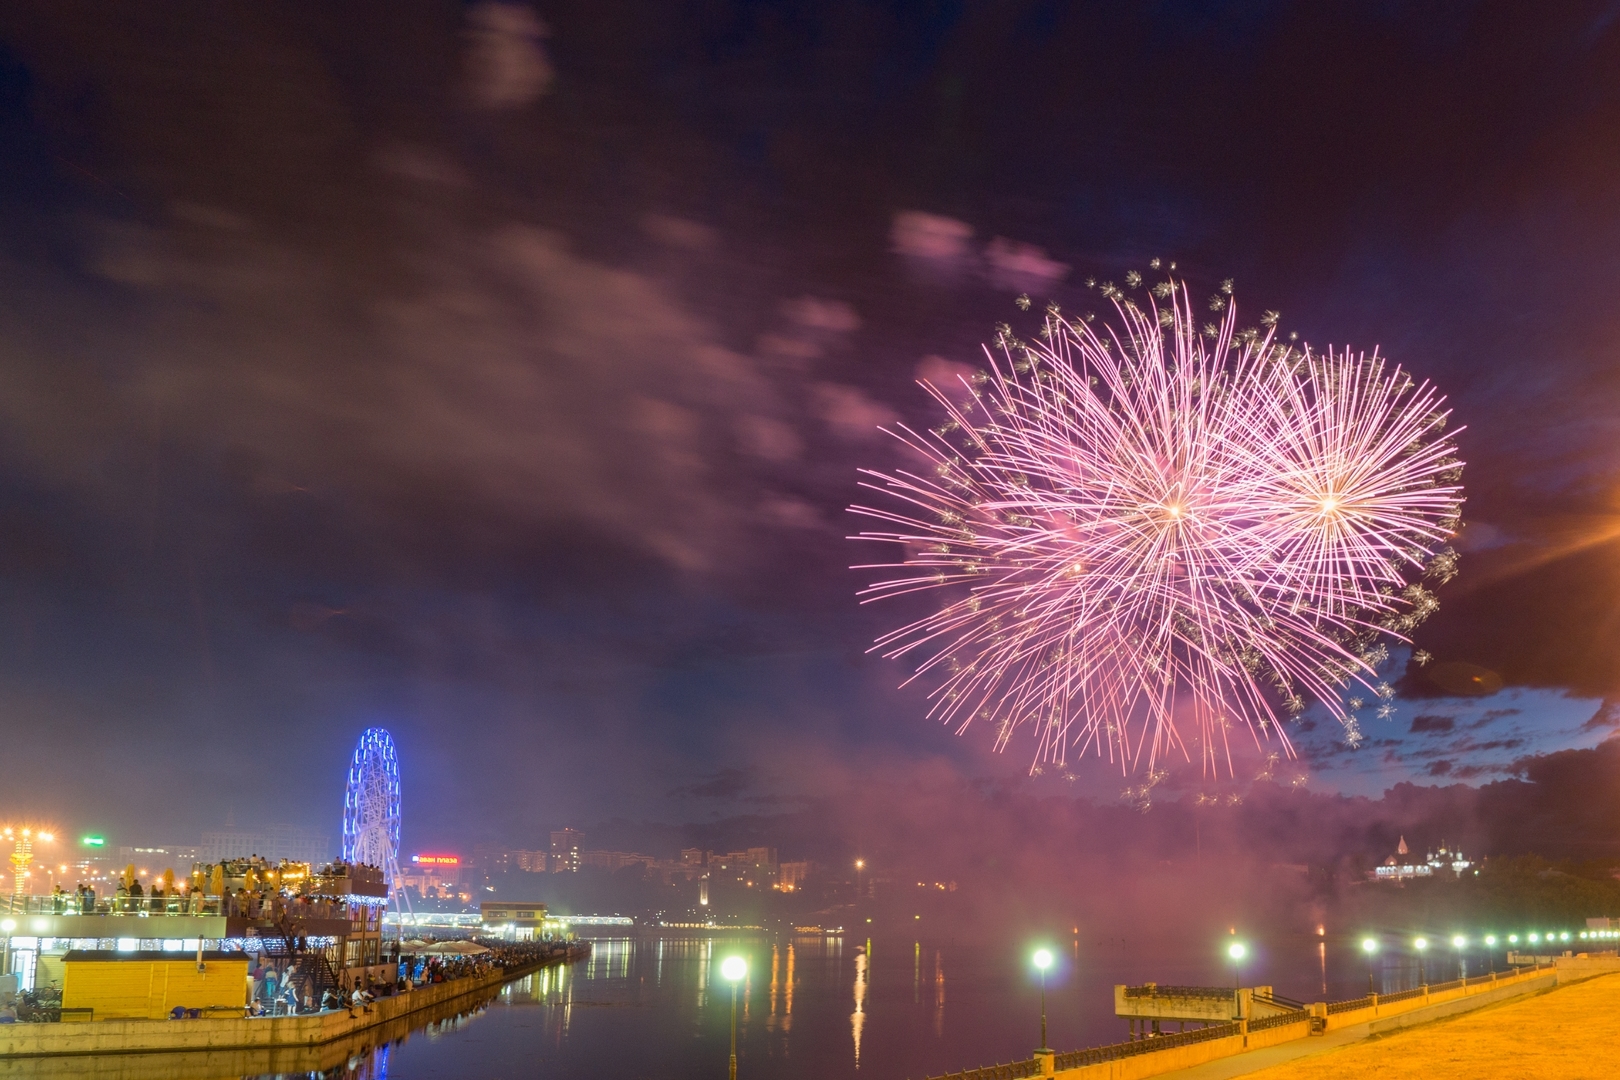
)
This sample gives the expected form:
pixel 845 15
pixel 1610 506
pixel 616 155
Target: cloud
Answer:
pixel 931 237
pixel 514 388
pixel 849 412
pixel 1014 265
pixel 946 375
pixel 813 313
pixel 1433 725
pixel 506 62
pixel 768 439
pixel 680 233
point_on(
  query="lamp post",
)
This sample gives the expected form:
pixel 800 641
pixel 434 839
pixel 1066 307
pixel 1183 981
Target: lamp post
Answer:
pixel 733 968
pixel 1043 960
pixel 1490 950
pixel 1421 944
pixel 1370 947
pixel 1237 951
pixel 1460 943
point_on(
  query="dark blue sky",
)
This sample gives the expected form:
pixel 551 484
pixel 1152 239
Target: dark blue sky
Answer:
pixel 499 373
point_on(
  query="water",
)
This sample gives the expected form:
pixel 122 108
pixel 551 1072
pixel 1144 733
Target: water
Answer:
pixel 889 1007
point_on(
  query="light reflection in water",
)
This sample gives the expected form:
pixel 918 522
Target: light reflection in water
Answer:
pixel 857 1019
pixel 916 972
pixel 939 993
pixel 787 992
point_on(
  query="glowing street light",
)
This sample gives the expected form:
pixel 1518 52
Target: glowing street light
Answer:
pixel 733 968
pixel 1421 944
pixel 1459 943
pixel 1237 951
pixel 1370 947
pixel 1043 960
pixel 1490 950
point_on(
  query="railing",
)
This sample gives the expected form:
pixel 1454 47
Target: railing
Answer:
pixel 1096 1055
pixel 1335 1007
pixel 1279 1001
pixel 252 907
pixel 1154 990
pixel 1015 1070
pixel 1280 1020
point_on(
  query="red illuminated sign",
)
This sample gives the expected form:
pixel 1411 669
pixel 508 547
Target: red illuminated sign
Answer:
pixel 436 860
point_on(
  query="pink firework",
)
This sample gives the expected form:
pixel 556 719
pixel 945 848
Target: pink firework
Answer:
pixel 1149 534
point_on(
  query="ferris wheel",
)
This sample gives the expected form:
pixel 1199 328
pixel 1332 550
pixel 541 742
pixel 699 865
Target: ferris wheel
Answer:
pixel 371 805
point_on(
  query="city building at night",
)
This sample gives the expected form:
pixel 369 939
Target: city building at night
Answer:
pixel 1400 867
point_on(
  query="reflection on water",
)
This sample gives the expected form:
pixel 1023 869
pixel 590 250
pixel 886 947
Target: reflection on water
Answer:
pixel 811 1007
pixel 857 1019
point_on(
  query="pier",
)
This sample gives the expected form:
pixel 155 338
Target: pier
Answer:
pixel 303 1031
pixel 1264 1021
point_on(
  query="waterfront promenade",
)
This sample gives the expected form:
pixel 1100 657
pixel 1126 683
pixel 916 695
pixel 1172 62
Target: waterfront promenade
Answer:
pixel 312 1030
pixel 1246 1047
pixel 1561 1033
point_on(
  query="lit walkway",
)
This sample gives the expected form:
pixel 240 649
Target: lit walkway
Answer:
pixel 1567 1034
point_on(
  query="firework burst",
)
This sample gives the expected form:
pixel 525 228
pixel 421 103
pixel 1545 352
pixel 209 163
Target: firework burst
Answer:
pixel 1153 534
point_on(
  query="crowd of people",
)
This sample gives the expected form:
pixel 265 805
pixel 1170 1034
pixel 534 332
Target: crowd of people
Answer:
pixel 280 988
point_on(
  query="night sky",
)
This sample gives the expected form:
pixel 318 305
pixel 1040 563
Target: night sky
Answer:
pixel 499 374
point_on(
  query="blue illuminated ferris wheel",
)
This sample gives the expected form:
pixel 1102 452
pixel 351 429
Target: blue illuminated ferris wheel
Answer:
pixel 371 805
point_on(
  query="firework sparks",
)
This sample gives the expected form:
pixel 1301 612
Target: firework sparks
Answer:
pixel 1153 533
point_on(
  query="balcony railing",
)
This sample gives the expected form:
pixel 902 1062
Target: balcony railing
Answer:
pixel 248 907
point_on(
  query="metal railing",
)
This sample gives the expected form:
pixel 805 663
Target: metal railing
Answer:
pixel 1298 1016
pixel 1279 1001
pixel 1015 1070
pixel 1335 1007
pixel 252 907
pixel 1096 1055
pixel 1155 990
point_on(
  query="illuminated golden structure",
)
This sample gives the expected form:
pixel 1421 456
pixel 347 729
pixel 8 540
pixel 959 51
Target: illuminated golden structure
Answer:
pixel 22 854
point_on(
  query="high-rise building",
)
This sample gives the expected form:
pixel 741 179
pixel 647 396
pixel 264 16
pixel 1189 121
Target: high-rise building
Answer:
pixel 565 847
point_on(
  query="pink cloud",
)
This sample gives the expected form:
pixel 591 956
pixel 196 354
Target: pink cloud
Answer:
pixel 946 374
pixel 1017 265
pixel 848 411
pixel 920 235
pixel 817 314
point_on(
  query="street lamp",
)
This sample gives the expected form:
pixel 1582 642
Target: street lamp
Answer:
pixel 733 968
pixel 1459 943
pixel 1237 951
pixel 1043 960
pixel 1370 947
pixel 1421 944
pixel 1490 950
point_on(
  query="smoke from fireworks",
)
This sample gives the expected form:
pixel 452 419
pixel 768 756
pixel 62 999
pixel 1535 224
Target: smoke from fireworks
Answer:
pixel 1154 533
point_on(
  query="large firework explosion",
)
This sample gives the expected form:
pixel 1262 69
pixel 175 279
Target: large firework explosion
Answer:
pixel 1152 532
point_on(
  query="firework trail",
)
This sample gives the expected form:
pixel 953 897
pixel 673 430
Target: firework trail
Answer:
pixel 1153 534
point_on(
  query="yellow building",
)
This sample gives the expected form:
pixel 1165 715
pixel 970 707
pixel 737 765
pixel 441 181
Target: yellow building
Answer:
pixel 513 919
pixel 107 985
